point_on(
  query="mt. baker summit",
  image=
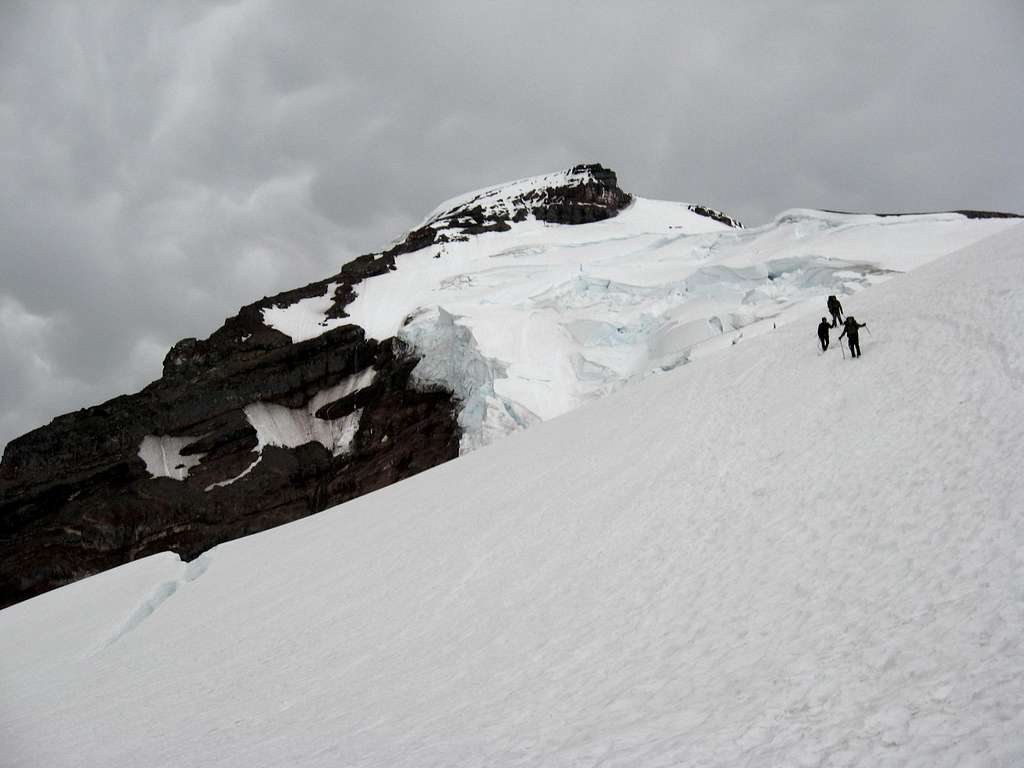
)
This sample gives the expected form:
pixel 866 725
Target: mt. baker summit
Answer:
pixel 506 306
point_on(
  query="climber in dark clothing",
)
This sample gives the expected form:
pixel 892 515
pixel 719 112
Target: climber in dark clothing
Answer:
pixel 850 331
pixel 823 327
pixel 836 310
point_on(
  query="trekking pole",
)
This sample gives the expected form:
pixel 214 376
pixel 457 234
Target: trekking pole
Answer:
pixel 841 349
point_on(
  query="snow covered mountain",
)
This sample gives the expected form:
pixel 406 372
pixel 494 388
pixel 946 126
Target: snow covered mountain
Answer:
pixel 765 557
pixel 506 307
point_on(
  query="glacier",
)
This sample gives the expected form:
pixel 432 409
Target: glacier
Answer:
pixel 766 556
pixel 562 315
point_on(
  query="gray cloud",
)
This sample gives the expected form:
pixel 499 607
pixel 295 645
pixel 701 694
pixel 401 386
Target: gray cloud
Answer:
pixel 164 165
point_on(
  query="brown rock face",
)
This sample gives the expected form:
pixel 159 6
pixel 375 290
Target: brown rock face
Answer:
pixel 76 497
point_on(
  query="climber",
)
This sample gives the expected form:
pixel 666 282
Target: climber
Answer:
pixel 823 327
pixel 850 331
pixel 836 310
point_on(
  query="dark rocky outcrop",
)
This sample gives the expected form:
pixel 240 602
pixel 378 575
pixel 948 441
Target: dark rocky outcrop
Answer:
pixel 966 213
pixel 586 193
pixel 711 213
pixel 76 498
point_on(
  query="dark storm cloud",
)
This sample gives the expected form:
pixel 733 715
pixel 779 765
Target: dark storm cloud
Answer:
pixel 166 163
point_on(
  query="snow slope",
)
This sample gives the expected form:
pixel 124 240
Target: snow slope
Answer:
pixel 767 557
pixel 528 324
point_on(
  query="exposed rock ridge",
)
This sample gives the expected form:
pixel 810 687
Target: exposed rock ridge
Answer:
pixel 965 212
pixel 711 213
pixel 580 195
pixel 76 498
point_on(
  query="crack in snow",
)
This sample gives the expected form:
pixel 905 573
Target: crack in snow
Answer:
pixel 157 597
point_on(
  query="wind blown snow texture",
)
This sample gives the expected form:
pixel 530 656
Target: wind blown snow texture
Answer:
pixel 561 315
pixel 768 557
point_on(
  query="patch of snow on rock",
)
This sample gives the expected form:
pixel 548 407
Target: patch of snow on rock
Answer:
pixel 305 319
pixel 292 427
pixel 285 427
pixel 163 457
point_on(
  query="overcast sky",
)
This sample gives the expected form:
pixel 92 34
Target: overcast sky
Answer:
pixel 165 163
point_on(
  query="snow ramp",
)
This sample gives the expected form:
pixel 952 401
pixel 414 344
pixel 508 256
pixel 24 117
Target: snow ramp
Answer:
pixel 766 557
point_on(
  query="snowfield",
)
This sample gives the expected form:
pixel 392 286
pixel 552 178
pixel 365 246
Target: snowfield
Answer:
pixel 765 557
